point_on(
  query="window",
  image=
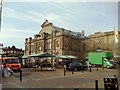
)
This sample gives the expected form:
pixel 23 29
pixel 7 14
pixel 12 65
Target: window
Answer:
pixel 58 43
pixel 12 61
pixel 11 51
pixel 84 47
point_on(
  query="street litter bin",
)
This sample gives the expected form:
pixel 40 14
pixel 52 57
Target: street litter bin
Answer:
pixel 110 83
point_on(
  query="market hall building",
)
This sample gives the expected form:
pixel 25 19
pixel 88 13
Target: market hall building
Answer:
pixel 54 40
pixel 60 41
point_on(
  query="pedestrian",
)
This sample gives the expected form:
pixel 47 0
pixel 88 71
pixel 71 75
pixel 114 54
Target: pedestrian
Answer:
pixel 2 69
pixel 65 67
pixel 88 64
pixel 8 72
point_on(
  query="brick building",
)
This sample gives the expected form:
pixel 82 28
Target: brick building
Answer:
pixel 13 51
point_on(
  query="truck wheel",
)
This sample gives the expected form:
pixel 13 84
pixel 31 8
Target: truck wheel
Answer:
pixel 108 66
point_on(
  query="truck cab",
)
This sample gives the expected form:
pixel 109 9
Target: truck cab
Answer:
pixel 107 63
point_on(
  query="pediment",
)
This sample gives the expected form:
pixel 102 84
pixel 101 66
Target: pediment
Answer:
pixel 46 23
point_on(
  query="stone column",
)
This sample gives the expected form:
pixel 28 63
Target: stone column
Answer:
pixel 29 46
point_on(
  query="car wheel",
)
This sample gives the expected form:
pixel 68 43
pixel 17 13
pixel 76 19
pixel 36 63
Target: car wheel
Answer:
pixel 85 68
pixel 108 66
pixel 76 69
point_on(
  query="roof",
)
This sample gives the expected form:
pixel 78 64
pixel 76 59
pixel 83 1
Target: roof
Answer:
pixel 66 56
pixel 42 55
pixel 45 23
pixel 24 57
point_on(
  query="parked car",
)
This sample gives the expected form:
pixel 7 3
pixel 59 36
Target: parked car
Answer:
pixel 13 63
pixel 115 64
pixel 76 66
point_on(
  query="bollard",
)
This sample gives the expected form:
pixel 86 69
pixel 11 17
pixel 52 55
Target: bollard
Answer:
pixel 64 72
pixel 90 69
pixel 72 71
pixel 82 68
pixel 96 84
pixel 20 75
pixel 97 68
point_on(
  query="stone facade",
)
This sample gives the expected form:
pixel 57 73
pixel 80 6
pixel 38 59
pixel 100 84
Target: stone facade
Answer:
pixel 60 41
pixel 101 41
pixel 55 40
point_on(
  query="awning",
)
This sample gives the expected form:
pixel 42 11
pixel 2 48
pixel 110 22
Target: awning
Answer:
pixel 42 55
pixel 70 56
pixel 34 55
pixel 61 57
pixel 66 56
pixel 25 57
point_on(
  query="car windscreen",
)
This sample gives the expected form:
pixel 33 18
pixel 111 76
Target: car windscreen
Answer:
pixel 10 61
pixel 76 63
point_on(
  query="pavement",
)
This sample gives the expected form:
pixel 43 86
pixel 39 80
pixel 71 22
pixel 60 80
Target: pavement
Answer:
pixel 34 78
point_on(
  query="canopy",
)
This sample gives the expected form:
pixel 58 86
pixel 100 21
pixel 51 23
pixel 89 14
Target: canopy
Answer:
pixel 66 56
pixel 24 57
pixel 43 55
pixel 61 57
pixel 70 56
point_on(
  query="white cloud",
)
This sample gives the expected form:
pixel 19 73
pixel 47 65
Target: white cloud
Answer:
pixel 12 36
pixel 35 16
pixel 8 12
pixel 11 13
pixel 12 33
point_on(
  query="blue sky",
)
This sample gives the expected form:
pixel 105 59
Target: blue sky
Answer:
pixel 21 20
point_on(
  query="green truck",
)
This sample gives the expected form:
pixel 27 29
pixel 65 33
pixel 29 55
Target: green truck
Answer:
pixel 101 59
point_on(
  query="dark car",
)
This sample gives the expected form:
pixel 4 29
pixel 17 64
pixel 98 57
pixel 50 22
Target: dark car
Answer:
pixel 115 64
pixel 76 66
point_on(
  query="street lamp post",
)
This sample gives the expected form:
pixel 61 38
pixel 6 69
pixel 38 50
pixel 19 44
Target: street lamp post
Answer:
pixel 1 5
pixel 0 14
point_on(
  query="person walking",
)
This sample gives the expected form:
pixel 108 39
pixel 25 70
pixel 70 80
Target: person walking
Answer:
pixel 8 72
